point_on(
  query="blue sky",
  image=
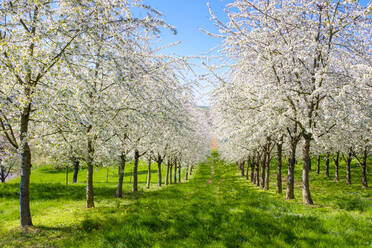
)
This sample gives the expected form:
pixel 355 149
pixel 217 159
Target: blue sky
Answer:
pixel 188 16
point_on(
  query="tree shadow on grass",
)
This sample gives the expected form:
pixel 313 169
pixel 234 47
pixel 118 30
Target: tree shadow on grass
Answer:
pixel 50 191
pixel 224 213
pixel 192 215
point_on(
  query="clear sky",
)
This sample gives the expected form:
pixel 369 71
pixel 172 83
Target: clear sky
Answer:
pixel 188 16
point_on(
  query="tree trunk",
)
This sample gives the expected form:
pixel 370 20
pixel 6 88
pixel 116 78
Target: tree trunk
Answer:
pixel 187 173
pixel 257 175
pixel 279 187
pixel 267 170
pixel 263 169
pixel 167 174
pixel 175 171
pixel 191 169
pixel 170 173
pixel 89 190
pixel 364 169
pixel 326 175
pixel 119 190
pixel 148 173
pixel 24 196
pixel 318 165
pixel 291 166
pixel 348 166
pixel 76 163
pixel 179 173
pixel 242 167
pixel 2 174
pixel 306 196
pixel 248 165
pixel 252 169
pixel 135 171
pixel 336 160
pixel 159 161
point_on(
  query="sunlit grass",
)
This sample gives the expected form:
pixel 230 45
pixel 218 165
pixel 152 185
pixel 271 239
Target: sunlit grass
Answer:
pixel 227 212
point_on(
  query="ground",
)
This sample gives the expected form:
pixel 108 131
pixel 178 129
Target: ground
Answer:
pixel 216 208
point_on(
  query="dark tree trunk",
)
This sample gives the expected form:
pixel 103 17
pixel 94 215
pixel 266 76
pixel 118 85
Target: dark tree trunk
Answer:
pixel 175 172
pixel 187 173
pixel 170 173
pixel 257 174
pixel 247 171
pixel 267 169
pixel 242 167
pixel 306 196
pixel 364 169
pixel 326 175
pixel 24 196
pixel 107 174
pixel 291 166
pixel 2 174
pixel 191 169
pixel 336 160
pixel 252 169
pixel 167 174
pixel 159 161
pixel 318 165
pixel 135 171
pixel 279 187
pixel 76 163
pixel 119 189
pixel 263 169
pixel 179 173
pixel 89 189
pixel 148 173
pixel 348 166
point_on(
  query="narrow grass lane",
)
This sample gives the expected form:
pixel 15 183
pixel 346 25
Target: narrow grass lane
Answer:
pixel 216 208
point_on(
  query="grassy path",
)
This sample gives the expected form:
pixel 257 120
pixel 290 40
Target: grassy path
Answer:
pixel 216 208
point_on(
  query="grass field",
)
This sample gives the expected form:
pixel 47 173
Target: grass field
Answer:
pixel 219 209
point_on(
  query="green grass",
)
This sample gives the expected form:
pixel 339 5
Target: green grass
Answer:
pixel 227 211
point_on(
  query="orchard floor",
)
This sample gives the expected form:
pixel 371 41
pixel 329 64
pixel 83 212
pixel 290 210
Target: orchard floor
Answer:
pixel 219 209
